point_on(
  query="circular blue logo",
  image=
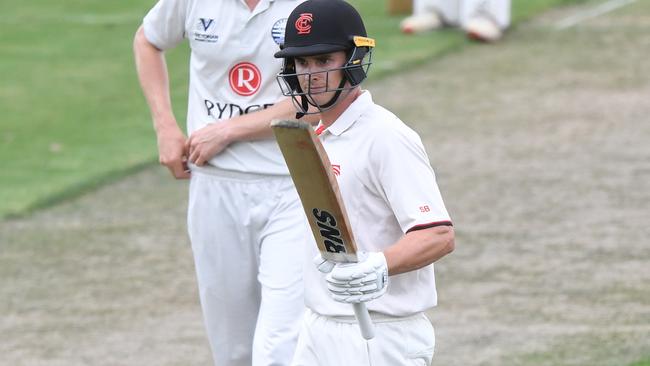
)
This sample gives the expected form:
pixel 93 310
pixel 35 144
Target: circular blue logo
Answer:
pixel 277 32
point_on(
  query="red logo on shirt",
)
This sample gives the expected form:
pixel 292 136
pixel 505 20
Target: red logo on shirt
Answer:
pixel 336 169
pixel 320 130
pixel 303 23
pixel 245 78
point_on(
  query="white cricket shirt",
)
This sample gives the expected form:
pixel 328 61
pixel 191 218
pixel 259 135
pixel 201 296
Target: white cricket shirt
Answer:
pixel 232 68
pixel 388 188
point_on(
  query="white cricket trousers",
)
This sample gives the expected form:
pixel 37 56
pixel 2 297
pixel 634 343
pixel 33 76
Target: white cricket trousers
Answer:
pixel 458 12
pixel 336 341
pixel 248 233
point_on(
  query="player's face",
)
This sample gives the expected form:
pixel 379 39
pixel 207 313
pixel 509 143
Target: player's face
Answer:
pixel 318 81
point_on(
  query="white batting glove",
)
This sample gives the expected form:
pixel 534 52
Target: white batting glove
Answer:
pixel 323 265
pixel 359 282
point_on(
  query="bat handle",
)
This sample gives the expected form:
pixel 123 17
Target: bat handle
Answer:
pixel 365 323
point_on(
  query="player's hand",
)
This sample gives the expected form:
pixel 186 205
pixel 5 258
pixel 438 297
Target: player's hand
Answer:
pixel 207 142
pixel 172 152
pixel 359 282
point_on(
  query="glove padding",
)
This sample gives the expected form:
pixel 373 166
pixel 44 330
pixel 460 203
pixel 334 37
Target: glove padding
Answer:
pixel 323 265
pixel 358 282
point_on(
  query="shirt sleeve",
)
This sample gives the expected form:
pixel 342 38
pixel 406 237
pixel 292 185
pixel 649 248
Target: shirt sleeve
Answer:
pixel 403 175
pixel 164 25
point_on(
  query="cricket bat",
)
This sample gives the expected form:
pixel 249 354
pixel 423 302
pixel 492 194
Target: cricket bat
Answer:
pixel 319 193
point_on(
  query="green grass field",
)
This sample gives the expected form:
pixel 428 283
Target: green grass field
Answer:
pixel 73 115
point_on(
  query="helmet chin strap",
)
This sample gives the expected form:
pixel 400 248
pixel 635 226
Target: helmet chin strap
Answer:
pixel 305 102
pixel 304 106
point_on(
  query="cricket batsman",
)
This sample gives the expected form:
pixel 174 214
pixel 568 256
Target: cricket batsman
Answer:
pixel 394 205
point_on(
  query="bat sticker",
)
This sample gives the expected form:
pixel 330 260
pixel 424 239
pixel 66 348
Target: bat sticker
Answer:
pixel 328 231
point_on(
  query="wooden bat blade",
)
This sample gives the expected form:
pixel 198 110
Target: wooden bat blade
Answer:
pixel 318 190
pixel 319 193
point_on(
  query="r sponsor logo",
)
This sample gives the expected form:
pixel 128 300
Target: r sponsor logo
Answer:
pixel 303 23
pixel 245 78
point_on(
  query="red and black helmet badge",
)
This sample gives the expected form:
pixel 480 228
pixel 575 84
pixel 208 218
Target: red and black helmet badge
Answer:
pixel 303 23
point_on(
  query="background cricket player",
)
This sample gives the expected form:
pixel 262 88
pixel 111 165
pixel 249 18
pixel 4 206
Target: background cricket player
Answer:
pixel 482 20
pixel 395 208
pixel 244 216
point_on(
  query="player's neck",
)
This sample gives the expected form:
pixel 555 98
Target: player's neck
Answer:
pixel 252 4
pixel 329 116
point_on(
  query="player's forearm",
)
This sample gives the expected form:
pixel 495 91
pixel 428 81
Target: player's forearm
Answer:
pixel 419 248
pixel 154 81
pixel 256 125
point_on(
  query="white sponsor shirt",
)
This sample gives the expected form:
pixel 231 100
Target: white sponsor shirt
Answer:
pixel 388 188
pixel 232 68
